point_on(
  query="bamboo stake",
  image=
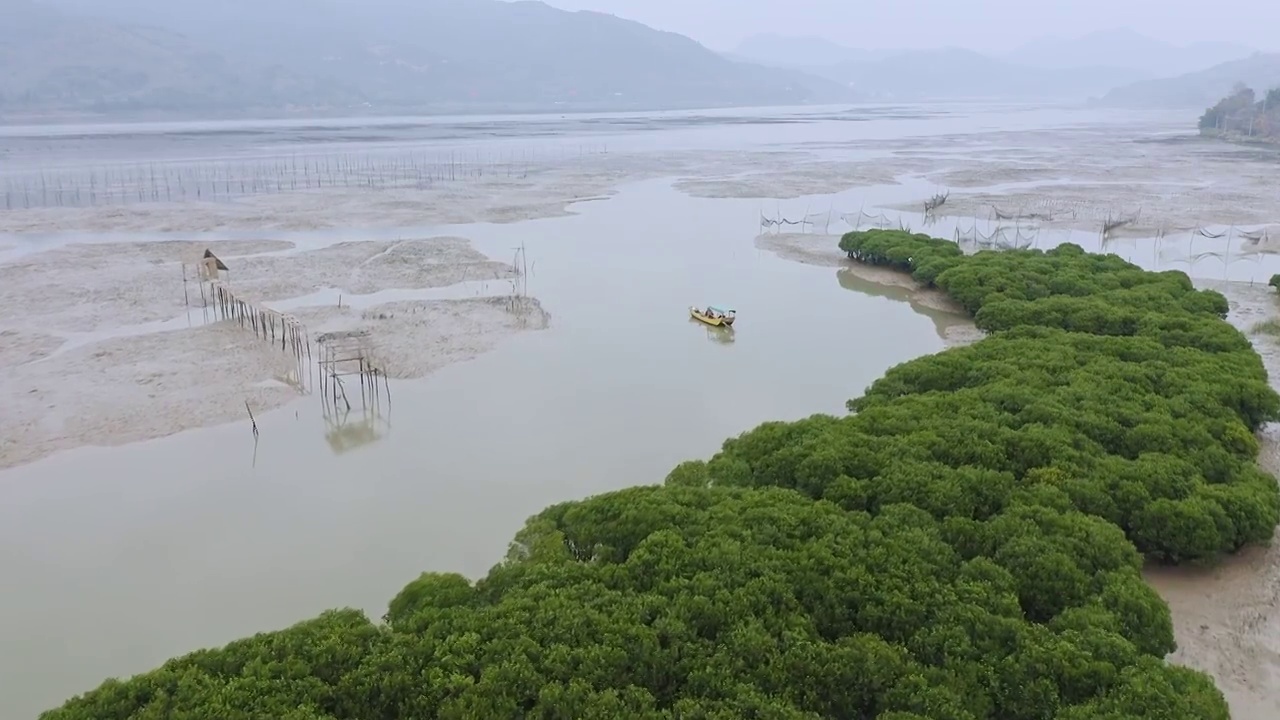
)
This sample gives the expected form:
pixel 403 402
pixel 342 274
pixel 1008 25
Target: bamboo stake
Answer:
pixel 252 421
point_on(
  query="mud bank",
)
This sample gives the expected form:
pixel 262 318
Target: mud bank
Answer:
pixel 954 324
pixel 1226 618
pixel 20 346
pixel 493 199
pixel 129 389
pixel 99 347
pixel 1070 177
pixel 538 192
pixel 1078 178
pixel 1148 208
pixel 792 178
pixel 414 338
pixel 99 287
pixel 1065 178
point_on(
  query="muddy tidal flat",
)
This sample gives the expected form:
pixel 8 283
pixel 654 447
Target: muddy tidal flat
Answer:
pixel 527 299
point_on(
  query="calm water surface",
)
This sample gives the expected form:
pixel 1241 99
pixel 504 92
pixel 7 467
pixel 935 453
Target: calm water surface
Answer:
pixel 117 558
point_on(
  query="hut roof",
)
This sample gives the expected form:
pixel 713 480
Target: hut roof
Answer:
pixel 221 265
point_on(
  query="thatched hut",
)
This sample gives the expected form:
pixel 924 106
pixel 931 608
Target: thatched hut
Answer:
pixel 211 266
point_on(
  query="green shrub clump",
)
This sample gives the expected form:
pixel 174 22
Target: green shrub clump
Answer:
pixel 965 545
pixel 1102 388
pixel 726 603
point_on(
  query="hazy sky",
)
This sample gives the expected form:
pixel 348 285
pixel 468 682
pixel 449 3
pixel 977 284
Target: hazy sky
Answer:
pixel 990 25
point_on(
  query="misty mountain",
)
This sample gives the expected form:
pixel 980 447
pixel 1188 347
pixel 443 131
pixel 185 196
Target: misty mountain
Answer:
pixel 448 54
pixel 802 52
pixel 51 60
pixel 1128 49
pixel 1260 71
pixel 947 73
pixel 957 73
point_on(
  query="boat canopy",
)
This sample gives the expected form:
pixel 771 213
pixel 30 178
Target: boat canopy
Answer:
pixel 721 310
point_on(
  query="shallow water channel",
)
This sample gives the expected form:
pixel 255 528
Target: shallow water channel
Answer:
pixel 118 558
pixel 115 559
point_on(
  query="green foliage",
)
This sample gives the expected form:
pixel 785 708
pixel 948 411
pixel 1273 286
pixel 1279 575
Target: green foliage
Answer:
pixel 693 602
pixel 1240 115
pixel 966 545
pixel 1104 388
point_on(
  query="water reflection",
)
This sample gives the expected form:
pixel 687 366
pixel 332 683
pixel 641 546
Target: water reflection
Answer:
pixel 258 543
pixel 849 279
pixel 723 335
pixel 350 429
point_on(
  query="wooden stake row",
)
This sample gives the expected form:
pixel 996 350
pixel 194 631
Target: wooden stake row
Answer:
pixel 270 325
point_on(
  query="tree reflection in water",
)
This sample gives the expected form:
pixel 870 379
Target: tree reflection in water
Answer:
pixel 942 319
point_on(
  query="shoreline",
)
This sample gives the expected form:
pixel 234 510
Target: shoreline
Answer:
pixel 1226 617
pixel 820 250
pixel 547 194
pixel 108 352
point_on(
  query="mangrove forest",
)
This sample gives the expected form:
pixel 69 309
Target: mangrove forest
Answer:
pixel 966 543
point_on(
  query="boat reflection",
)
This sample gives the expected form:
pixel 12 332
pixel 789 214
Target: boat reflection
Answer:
pixel 723 335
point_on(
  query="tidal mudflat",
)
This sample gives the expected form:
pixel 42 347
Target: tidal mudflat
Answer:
pixel 134 486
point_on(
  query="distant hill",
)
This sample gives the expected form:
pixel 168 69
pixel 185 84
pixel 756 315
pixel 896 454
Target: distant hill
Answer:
pixel 49 60
pixel 1199 89
pixel 948 73
pixel 1128 49
pixel 958 73
pixel 802 52
pixel 459 54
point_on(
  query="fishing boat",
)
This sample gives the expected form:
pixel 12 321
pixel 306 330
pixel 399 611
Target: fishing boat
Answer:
pixel 713 316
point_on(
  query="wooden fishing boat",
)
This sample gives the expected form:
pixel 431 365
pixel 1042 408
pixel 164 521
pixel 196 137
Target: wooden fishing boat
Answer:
pixel 713 316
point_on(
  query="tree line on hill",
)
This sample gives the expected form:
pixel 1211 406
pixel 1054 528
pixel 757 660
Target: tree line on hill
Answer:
pixel 966 544
pixel 1243 115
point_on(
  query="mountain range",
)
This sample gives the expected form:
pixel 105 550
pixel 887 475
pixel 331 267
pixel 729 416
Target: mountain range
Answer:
pixel 801 51
pixel 1128 49
pixel 957 73
pixel 89 55
pixel 237 56
pixel 1200 89
pixel 1044 68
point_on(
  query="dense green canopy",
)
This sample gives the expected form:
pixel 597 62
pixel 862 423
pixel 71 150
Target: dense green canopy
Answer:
pixel 965 545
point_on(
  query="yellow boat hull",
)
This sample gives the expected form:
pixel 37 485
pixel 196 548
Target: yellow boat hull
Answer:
pixel 697 314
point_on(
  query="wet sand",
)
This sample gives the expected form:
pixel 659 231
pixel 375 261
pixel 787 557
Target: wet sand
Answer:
pixel 541 192
pixel 1226 618
pixel 101 348
pixel 782 182
pixel 1080 178
pixel 413 338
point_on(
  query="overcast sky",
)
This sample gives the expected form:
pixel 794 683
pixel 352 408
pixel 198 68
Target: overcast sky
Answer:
pixel 978 24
